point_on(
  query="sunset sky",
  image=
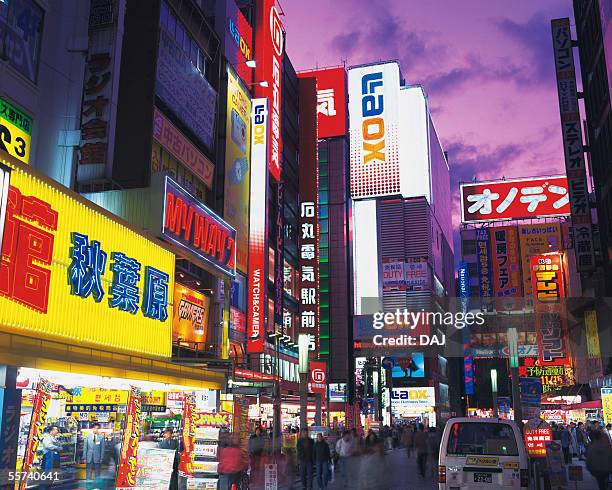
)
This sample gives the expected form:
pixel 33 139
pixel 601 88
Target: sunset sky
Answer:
pixel 486 66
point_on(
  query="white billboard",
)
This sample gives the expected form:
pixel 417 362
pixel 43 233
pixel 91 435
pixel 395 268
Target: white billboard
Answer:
pixel 374 130
pixel 413 400
pixel 415 174
pixel 366 293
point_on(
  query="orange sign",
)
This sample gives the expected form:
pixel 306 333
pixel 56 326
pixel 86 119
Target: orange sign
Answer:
pixel 189 424
pixel 190 315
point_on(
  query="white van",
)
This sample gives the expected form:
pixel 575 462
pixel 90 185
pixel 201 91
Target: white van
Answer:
pixel 478 453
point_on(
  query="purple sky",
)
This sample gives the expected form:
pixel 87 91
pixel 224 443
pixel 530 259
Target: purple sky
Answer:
pixel 486 66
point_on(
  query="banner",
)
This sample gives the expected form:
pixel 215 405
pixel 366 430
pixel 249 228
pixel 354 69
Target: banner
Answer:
pixel 393 274
pixel 189 425
pixel 128 458
pixel 416 274
pixel 37 426
pixel 536 439
pixel 549 306
pixel 485 277
pixel 463 283
pixel 534 240
pixel 507 287
pixel 238 165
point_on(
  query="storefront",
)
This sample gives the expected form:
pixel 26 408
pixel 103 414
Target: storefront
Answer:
pixel 86 313
pixel 414 404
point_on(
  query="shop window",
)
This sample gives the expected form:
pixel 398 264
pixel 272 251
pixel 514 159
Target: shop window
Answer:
pixel 22 23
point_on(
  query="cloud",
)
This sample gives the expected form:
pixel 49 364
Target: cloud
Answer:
pixel 534 38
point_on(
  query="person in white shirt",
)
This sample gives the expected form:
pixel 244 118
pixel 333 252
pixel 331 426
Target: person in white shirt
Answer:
pixel 345 449
pixel 50 449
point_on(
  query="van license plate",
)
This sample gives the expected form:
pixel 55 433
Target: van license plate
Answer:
pixel 483 478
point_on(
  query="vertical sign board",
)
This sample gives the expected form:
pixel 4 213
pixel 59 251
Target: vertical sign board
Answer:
pixel 269 48
pixel 238 36
pixel 374 130
pixel 485 276
pixel 535 240
pixel 592 340
pixel 606 404
pixel 550 319
pixel 507 287
pixel 237 165
pixel 464 299
pixel 571 127
pixel 258 227
pixel 100 95
pixel 279 256
pixel 308 218
pixel 126 472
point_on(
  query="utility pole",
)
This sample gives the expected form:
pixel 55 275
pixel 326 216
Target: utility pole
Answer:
pixel 514 372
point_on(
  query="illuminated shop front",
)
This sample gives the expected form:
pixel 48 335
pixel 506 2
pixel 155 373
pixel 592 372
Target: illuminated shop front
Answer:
pixel 86 316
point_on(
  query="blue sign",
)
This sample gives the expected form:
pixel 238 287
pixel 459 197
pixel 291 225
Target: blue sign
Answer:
pixel 531 392
pixel 464 298
pixel 503 404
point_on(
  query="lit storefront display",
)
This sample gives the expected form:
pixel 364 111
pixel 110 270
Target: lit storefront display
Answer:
pixel 86 313
pixel 16 130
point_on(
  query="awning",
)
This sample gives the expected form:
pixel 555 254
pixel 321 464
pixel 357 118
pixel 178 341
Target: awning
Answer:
pixel 589 404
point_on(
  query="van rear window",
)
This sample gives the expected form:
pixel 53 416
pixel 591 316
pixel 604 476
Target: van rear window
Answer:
pixel 489 439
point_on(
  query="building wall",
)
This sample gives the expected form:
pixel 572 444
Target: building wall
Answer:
pixel 52 97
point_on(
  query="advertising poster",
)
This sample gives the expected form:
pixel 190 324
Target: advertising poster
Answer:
pixel 393 274
pixel 485 276
pixel 191 310
pixel 238 165
pixel 505 256
pixel 154 467
pixel 37 426
pixel 413 400
pixel 534 240
pixel 549 306
pixel 188 437
pixel 536 436
pixel 531 397
pixel 128 458
pixel 416 274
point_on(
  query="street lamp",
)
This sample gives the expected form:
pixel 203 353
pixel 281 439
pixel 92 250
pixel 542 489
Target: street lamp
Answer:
pixel 494 390
pixel 251 64
pixel 303 343
pixel 514 373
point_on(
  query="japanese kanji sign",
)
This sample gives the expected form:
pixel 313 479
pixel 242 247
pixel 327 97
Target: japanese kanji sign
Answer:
pixel 571 128
pixel 70 271
pixel 15 131
pixel 505 256
pixel 549 305
pixel 553 376
pixel 514 199
pixel 308 235
pixel 483 258
pixel 536 439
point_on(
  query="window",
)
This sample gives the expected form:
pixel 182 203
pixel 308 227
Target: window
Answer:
pixel 489 439
pixel 24 23
pixel 469 247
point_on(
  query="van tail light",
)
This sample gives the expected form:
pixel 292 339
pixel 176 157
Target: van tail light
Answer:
pixel 524 478
pixel 441 473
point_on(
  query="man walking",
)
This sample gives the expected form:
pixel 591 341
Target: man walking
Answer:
pixel 93 452
pixel 322 457
pixel 345 449
pixel 305 453
pixel 420 444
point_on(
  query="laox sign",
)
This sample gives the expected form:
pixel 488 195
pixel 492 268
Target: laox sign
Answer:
pixel 373 126
pixel 409 395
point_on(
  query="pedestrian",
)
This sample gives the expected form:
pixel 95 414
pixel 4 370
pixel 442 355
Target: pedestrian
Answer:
pixel 599 459
pixel 609 432
pixel 573 441
pixel 169 442
pixel 322 457
pixel 420 444
pixel 370 471
pixel 566 442
pixel 345 449
pixel 305 453
pixel 233 462
pixel 93 452
pixel 581 440
pixel 433 449
pixel 51 451
pixel 408 439
pixel 257 444
pixel 371 439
